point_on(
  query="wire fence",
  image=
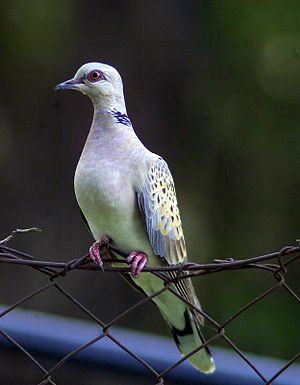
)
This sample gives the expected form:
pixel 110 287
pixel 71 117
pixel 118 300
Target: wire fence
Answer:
pixel 281 262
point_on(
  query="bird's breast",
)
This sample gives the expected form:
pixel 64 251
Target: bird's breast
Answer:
pixel 108 201
pixel 102 189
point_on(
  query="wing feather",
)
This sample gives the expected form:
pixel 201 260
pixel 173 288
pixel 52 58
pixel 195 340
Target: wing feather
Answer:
pixel 158 203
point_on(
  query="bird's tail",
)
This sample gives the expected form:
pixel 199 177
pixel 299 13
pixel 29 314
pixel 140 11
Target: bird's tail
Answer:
pixel 185 323
pixel 189 338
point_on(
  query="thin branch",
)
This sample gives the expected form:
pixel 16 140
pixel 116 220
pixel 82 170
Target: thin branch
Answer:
pixel 19 231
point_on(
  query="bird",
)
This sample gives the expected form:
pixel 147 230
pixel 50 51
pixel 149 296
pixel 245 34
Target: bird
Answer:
pixel 127 196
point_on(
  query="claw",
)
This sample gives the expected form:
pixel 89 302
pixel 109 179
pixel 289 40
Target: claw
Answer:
pixel 95 254
pixel 138 260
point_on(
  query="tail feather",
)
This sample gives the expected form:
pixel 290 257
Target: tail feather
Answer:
pixel 187 334
pixel 184 322
pixel 188 339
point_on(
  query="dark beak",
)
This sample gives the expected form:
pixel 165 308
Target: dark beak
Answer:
pixel 69 84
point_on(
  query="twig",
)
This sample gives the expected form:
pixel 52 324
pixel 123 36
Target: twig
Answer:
pixel 19 231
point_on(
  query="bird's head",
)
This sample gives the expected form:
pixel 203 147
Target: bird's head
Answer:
pixel 100 82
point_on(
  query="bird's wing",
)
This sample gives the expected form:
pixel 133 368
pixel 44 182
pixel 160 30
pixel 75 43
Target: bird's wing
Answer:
pixel 158 204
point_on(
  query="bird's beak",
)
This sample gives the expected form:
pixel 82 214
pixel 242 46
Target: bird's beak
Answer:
pixel 69 84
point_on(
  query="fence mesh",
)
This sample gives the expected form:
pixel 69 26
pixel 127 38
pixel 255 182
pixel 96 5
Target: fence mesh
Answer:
pixel 275 264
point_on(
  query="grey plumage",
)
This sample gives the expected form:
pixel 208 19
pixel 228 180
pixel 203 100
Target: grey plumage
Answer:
pixel 127 193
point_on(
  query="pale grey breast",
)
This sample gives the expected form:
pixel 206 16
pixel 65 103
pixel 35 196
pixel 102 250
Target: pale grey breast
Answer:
pixel 104 194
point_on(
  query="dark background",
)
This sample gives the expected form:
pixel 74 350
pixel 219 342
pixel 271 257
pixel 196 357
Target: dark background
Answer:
pixel 213 87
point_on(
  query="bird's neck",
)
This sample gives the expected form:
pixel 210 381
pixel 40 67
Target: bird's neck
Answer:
pixel 111 114
pixel 110 124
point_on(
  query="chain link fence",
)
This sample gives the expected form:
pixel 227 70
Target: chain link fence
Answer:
pixel 274 264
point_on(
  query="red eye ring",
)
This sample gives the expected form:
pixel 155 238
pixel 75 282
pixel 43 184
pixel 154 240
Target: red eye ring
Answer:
pixel 95 76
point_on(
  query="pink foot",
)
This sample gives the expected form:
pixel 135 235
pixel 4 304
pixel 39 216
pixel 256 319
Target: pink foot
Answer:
pixel 138 260
pixel 95 253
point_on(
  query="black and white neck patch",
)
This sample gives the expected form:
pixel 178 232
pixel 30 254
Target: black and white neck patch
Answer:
pixel 120 117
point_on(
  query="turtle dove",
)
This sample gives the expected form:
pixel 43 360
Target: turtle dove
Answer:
pixel 127 195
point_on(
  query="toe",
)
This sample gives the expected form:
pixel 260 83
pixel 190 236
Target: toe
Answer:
pixel 138 261
pixel 132 255
pixel 134 265
pixel 95 254
pixel 141 265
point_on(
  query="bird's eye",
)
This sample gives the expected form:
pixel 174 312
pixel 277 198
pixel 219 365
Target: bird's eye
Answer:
pixel 95 76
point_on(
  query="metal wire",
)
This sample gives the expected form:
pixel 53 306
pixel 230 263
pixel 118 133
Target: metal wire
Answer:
pixel 53 270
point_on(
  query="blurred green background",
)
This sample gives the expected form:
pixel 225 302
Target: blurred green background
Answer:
pixel 213 87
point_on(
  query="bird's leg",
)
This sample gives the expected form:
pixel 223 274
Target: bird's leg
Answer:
pixel 138 260
pixel 94 251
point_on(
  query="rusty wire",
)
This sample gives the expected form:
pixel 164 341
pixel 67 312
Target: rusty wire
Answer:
pixel 283 258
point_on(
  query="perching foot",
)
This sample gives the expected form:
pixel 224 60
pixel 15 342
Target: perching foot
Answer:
pixel 138 260
pixel 94 252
